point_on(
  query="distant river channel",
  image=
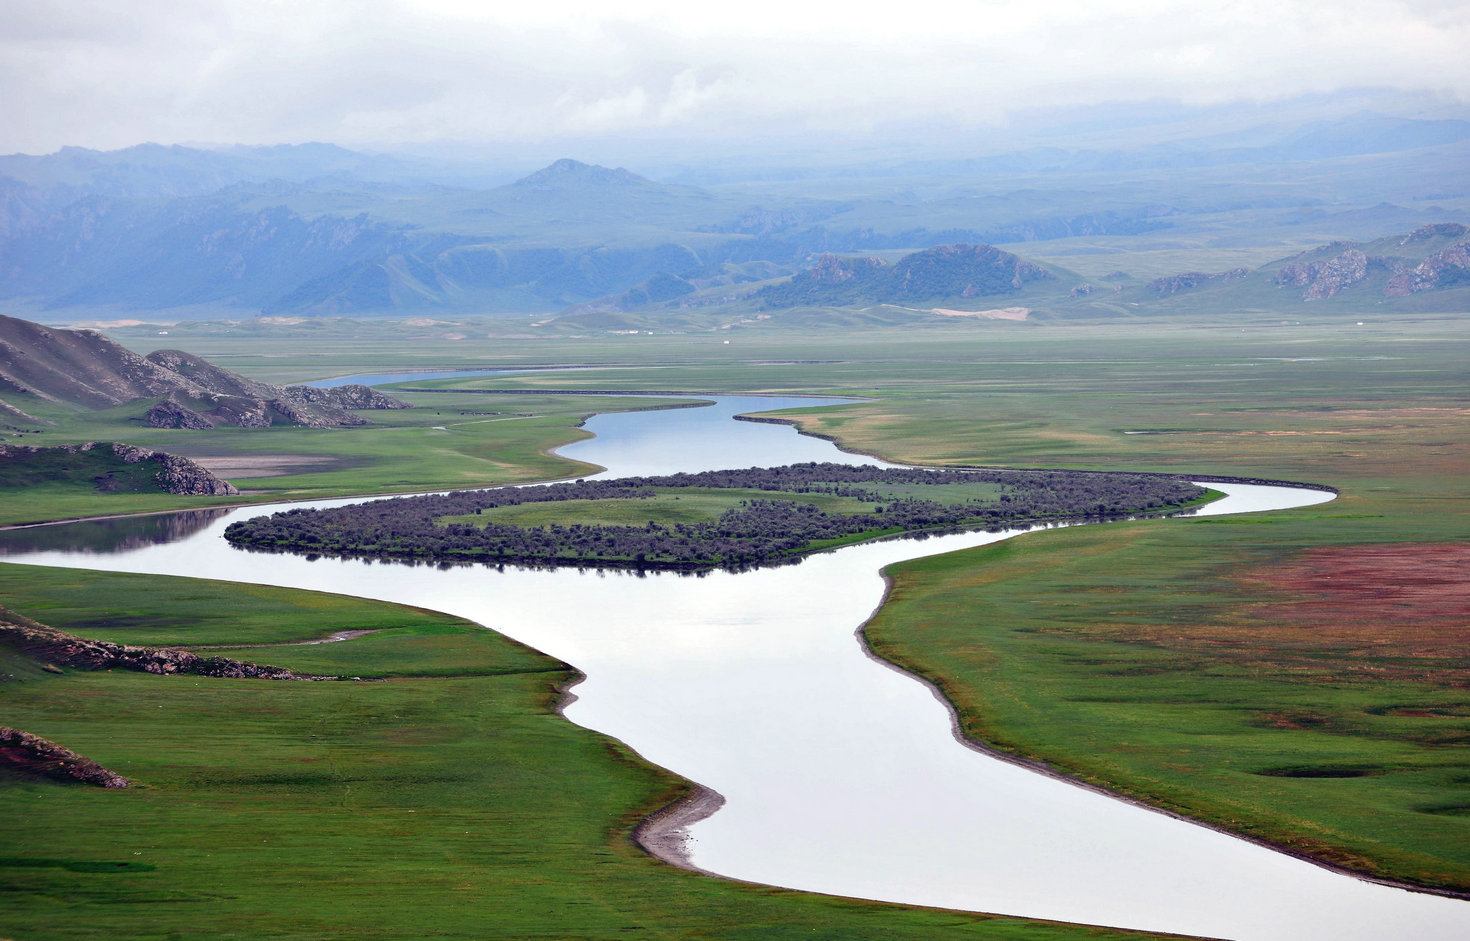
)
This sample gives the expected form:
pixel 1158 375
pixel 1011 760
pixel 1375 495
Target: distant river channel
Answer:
pixel 838 773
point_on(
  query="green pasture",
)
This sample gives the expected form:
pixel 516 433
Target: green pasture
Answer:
pixel 448 441
pixel 447 799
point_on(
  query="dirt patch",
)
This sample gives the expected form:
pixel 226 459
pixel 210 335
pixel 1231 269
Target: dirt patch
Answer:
pixel 239 467
pixel 999 313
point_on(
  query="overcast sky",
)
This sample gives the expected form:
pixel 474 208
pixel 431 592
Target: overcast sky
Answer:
pixel 104 74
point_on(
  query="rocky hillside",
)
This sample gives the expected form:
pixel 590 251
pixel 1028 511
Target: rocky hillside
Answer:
pixel 948 272
pixel 107 467
pixel 1429 258
pixel 85 368
pixel 78 366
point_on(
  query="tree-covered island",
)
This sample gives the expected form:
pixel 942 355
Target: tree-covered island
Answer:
pixel 715 519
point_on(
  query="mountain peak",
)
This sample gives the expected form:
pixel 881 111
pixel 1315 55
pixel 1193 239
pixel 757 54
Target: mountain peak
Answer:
pixel 567 171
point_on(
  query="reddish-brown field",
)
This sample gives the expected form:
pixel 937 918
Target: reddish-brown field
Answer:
pixel 1399 610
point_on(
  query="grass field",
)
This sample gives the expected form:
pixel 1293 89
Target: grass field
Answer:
pixel 448 441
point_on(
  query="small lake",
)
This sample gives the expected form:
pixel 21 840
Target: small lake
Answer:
pixel 839 773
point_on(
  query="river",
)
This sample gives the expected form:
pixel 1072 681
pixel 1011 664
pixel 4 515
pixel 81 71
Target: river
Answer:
pixel 839 773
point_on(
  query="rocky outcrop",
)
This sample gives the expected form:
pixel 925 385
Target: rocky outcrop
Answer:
pixel 1444 268
pixel 830 269
pixel 1324 279
pixel 182 476
pixel 1190 280
pixel 106 464
pixel 34 756
pixel 315 416
pixel 1424 233
pixel 345 397
pixel 170 414
pixel 945 271
pixel 51 646
pixel 963 271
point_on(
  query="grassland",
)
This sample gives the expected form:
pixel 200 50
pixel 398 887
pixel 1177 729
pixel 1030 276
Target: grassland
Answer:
pixel 448 441
pixel 1209 666
pixel 446 800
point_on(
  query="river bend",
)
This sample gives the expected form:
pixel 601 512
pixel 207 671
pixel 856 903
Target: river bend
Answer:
pixel 840 774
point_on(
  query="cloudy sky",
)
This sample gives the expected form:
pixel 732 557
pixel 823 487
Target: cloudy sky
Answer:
pixel 103 74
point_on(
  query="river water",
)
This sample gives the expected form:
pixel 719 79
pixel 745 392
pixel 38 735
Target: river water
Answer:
pixel 839 773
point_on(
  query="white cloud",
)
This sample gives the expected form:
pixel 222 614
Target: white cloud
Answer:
pixel 108 75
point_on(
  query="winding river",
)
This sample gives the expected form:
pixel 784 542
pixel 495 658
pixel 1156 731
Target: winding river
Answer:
pixel 839 774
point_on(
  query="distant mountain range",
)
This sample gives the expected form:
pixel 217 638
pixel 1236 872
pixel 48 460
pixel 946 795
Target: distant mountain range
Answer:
pixel 313 229
pixel 83 368
pixel 1428 268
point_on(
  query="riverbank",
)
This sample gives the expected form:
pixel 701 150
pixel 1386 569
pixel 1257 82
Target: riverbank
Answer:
pixel 896 653
pixel 1236 731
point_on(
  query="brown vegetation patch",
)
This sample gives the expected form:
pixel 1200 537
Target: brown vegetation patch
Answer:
pixel 1397 609
pixel 1381 593
pixel 1386 611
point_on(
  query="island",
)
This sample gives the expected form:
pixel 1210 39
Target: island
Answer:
pixel 728 519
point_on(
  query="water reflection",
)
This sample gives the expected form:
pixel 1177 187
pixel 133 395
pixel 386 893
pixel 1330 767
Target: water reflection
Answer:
pixel 105 536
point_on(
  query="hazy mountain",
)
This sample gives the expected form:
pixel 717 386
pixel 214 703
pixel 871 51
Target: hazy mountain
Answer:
pixel 315 229
pixel 153 170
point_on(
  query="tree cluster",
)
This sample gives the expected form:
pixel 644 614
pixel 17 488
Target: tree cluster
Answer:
pixel 757 531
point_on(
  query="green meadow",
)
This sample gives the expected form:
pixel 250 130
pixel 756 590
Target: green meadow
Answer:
pixel 447 441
